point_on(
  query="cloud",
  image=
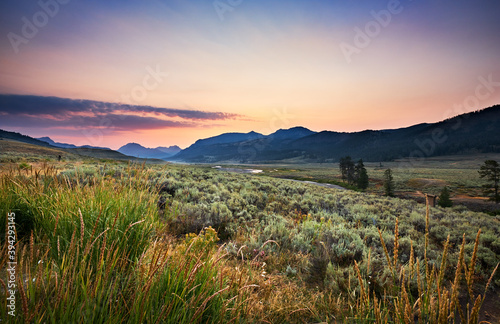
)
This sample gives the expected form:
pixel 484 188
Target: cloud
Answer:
pixel 55 112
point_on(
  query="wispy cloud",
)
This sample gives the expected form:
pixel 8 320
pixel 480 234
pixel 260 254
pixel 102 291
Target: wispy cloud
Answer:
pixel 44 112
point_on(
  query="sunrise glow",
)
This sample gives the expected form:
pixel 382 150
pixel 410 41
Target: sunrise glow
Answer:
pixel 163 73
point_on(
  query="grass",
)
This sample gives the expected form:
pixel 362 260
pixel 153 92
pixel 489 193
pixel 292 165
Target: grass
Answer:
pixel 89 251
pixel 458 173
pixel 14 151
pixel 118 243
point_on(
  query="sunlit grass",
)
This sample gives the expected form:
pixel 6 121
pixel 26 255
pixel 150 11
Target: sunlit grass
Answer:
pixel 118 243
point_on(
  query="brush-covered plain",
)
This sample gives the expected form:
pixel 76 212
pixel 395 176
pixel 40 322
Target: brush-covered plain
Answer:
pixel 118 243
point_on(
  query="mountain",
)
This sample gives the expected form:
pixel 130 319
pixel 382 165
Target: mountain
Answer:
pixel 475 132
pixel 240 147
pixel 48 140
pixel 202 149
pixel 227 138
pixel 137 150
pixel 292 133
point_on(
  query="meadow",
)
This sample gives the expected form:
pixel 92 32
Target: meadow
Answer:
pixel 128 243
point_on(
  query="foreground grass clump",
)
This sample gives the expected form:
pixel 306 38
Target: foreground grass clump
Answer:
pixel 136 244
pixel 434 302
pixel 90 251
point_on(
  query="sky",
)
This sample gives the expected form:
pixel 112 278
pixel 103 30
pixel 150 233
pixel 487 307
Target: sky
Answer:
pixel 169 72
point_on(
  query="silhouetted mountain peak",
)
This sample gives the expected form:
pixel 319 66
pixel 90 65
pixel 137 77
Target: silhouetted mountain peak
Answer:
pixel 228 138
pixel 292 133
pixel 132 146
pixel 46 139
pixel 137 150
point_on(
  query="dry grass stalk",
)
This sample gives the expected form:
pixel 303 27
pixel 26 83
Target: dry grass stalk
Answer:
pixel 386 252
pixel 396 243
pixel 364 299
pixel 469 276
pixel 82 227
pixel 443 262
pixel 456 283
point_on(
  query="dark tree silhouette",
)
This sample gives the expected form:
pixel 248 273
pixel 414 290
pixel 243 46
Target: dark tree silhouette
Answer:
pixel 444 198
pixel 491 171
pixel 361 175
pixel 346 166
pixel 388 183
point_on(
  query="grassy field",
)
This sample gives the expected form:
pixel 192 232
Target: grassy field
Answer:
pixel 411 179
pixel 118 243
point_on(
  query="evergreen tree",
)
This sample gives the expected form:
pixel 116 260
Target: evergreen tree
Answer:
pixel 388 183
pixel 346 166
pixel 361 175
pixel 342 167
pixel 444 198
pixel 491 171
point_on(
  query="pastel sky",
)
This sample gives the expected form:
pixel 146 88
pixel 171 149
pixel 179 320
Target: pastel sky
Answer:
pixel 169 72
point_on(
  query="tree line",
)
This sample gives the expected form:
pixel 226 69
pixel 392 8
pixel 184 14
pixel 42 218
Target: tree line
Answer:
pixel 355 174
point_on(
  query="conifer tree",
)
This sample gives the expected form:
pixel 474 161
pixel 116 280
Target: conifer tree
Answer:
pixel 444 198
pixel 388 183
pixel 361 175
pixel 491 171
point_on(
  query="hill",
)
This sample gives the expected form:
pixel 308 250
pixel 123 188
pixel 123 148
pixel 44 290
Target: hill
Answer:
pixel 15 146
pixel 13 151
pixel 475 132
pixel 22 138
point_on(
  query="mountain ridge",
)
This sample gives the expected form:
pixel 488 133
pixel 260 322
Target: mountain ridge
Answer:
pixel 50 141
pixel 467 133
pixel 474 132
pixel 139 151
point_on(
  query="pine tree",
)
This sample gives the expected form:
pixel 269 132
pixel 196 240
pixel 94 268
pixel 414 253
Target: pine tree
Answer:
pixel 491 171
pixel 346 166
pixel 444 198
pixel 361 175
pixel 388 183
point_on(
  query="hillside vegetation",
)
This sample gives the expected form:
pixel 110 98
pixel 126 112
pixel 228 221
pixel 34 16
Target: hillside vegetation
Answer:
pixel 19 151
pixel 188 244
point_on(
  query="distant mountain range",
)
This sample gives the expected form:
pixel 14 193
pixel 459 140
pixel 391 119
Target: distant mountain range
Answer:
pixel 137 150
pixel 48 140
pixel 476 132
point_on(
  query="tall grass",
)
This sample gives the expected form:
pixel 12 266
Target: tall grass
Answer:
pixel 89 251
pixel 435 301
pixel 93 248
